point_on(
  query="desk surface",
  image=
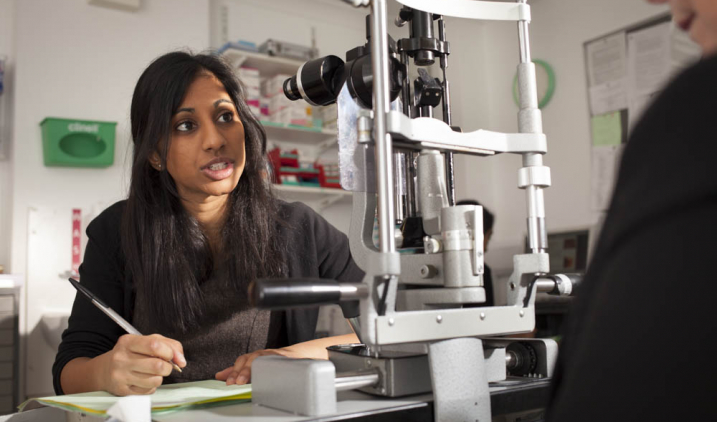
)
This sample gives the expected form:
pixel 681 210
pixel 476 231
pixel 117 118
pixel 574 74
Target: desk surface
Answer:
pixel 511 396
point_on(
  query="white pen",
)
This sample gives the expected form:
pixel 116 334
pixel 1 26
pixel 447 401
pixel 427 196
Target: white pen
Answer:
pixel 110 312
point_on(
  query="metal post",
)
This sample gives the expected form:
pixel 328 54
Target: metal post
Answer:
pixel 400 175
pixel 410 184
pixel 355 380
pixel 384 150
pixel 406 89
pixel 530 121
pixel 450 176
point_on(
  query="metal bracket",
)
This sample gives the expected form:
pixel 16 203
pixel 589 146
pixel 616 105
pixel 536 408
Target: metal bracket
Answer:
pixel 477 227
pixel 302 386
pixel 471 9
pixel 428 133
pixel 534 176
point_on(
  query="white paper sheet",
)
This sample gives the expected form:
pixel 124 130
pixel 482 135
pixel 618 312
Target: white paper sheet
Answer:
pixel 604 171
pixel 608 97
pixel 606 59
pixel 131 409
pixel 648 60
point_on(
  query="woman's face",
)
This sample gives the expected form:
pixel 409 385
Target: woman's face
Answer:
pixel 206 153
pixel 698 18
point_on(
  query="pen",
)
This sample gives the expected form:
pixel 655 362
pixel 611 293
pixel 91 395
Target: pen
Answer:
pixel 110 313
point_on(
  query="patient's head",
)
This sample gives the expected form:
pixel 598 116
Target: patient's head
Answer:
pixel 698 18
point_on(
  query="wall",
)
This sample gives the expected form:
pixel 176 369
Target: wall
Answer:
pixel 78 61
pixel 7 48
pixel 338 27
pixel 558 32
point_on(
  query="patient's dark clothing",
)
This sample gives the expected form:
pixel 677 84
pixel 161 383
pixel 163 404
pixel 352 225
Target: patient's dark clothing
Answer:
pixel 315 249
pixel 230 327
pixel 639 341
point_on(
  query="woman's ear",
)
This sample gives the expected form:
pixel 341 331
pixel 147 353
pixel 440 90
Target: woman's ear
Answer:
pixel 155 161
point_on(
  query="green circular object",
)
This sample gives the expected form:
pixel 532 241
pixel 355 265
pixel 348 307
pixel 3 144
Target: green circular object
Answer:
pixel 550 89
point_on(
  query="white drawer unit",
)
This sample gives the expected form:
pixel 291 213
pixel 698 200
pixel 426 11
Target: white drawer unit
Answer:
pixel 7 370
pixel 9 341
pixel 7 321
pixel 7 338
pixel 7 354
pixel 7 404
pixel 7 304
pixel 5 388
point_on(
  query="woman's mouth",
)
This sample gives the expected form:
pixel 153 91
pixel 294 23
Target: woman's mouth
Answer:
pixel 219 169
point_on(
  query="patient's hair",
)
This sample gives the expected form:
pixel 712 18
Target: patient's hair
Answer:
pixel 167 254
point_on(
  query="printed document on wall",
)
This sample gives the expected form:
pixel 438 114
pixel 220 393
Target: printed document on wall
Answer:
pixel 636 108
pixel 608 97
pixel 603 169
pixel 607 67
pixel 606 59
pixel 648 60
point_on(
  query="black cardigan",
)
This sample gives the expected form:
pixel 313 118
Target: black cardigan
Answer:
pixel 639 338
pixel 315 249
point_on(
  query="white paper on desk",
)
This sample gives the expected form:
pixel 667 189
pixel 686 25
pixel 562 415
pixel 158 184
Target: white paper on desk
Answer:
pixel 608 97
pixel 603 174
pixel 131 409
pixel 606 59
pixel 648 60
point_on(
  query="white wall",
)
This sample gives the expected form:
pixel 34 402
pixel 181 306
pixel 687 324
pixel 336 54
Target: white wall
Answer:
pixel 558 31
pixel 7 48
pixel 79 61
pixel 338 27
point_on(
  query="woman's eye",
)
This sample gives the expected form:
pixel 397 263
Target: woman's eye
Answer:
pixel 226 117
pixel 185 126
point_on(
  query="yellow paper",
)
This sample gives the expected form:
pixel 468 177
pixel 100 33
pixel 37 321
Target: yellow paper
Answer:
pixel 607 129
pixel 166 398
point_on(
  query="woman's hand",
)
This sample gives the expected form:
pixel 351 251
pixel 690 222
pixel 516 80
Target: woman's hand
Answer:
pixel 138 364
pixel 240 373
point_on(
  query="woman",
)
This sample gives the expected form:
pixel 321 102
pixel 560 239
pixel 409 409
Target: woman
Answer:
pixel 176 257
pixel 638 341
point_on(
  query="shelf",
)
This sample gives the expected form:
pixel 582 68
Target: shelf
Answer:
pixel 268 65
pixel 300 135
pixel 323 197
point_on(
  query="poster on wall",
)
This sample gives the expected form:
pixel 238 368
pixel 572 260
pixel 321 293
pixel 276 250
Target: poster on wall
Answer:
pixel 606 66
pixel 603 174
pixel 626 71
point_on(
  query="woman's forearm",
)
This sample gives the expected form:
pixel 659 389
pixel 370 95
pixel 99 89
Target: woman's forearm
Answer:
pixel 81 375
pixel 316 349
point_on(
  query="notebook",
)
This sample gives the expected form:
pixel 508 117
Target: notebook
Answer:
pixel 167 399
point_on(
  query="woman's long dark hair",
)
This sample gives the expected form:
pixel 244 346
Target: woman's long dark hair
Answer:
pixel 168 255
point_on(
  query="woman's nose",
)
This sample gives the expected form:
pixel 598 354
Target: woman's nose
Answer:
pixel 213 138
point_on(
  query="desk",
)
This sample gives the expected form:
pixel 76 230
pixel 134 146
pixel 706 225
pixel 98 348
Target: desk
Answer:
pixel 508 397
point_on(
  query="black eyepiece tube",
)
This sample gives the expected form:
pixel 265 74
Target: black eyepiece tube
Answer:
pixel 318 81
pixel 291 89
pixel 303 292
pixel 422 27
